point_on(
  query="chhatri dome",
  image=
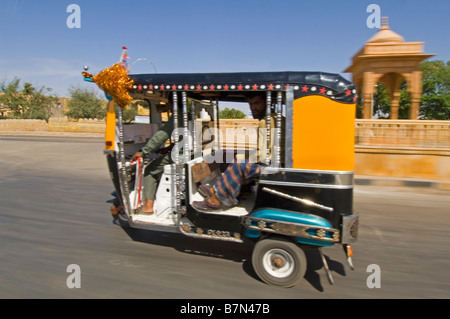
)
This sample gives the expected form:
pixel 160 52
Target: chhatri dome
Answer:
pixel 386 34
pixel 388 58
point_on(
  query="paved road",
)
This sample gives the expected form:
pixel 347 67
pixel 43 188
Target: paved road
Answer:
pixel 54 213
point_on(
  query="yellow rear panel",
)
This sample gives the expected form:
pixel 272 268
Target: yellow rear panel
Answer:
pixel 323 134
pixel 110 132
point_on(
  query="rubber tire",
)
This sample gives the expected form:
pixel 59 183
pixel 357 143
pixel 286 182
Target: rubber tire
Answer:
pixel 297 256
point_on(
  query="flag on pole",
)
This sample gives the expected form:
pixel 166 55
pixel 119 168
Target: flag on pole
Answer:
pixel 124 57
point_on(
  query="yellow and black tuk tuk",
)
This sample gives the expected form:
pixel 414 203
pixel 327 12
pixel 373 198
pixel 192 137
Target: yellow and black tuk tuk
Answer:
pixel 303 197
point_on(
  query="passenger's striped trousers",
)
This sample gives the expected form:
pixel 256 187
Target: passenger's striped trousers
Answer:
pixel 238 173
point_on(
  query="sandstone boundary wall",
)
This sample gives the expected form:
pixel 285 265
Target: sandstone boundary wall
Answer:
pixel 383 148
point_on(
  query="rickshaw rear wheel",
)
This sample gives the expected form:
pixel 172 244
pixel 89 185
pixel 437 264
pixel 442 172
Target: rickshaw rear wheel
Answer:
pixel 279 262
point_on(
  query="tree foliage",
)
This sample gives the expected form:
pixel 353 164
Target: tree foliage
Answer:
pixel 436 90
pixel 130 111
pixel 85 103
pixel 27 102
pixel 382 102
pixel 231 114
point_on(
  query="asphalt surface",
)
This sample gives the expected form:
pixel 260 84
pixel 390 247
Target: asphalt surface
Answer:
pixel 54 212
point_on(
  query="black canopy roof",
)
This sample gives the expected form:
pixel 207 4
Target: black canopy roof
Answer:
pixel 304 83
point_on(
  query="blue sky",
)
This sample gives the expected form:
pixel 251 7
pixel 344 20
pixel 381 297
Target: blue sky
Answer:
pixel 201 35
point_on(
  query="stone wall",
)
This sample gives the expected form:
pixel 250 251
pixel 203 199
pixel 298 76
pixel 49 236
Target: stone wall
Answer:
pixel 23 125
pixel 404 149
pixel 53 125
pixel 80 126
pixel 419 163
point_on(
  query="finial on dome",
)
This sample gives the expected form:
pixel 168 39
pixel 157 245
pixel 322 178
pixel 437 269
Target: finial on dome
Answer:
pixel 384 23
pixel 385 34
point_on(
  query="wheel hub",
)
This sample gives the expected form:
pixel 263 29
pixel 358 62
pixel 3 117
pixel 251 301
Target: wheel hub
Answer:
pixel 278 261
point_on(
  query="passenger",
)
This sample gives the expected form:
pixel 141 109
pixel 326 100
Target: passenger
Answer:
pixel 225 191
pixel 154 169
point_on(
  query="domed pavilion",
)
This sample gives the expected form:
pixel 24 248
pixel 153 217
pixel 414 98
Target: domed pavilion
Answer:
pixel 388 58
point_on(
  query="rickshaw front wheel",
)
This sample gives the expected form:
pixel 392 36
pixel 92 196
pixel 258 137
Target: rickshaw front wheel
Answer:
pixel 279 262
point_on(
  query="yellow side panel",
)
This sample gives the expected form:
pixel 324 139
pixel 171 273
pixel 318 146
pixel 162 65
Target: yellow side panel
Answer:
pixel 323 134
pixel 110 132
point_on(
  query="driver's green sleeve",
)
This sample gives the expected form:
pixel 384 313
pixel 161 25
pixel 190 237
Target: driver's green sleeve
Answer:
pixel 159 138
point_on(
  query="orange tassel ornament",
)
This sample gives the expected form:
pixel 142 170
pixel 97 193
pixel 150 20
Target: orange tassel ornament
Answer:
pixel 115 82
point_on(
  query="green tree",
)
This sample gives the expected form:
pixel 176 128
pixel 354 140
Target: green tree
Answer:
pixel 405 102
pixel 231 114
pixel 27 102
pixel 436 90
pixel 129 112
pixel 381 102
pixel 85 103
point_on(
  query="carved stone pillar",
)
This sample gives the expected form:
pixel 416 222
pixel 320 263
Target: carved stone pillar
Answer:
pixel 415 106
pixel 415 90
pixel 368 91
pixel 395 104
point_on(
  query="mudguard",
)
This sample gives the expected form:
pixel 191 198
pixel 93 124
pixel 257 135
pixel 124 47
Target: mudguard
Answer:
pixel 306 228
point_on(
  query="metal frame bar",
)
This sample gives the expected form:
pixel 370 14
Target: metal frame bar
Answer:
pixel 306 178
pixel 277 142
pixel 186 151
pixel 268 104
pixel 288 162
pixel 217 124
pixel 123 170
pixel 295 184
pixel 194 129
pixel 176 155
pixel 297 199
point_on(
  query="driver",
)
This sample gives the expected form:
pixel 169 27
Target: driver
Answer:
pixel 154 169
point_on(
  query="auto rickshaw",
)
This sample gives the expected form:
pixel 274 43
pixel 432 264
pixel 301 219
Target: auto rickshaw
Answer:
pixel 304 196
